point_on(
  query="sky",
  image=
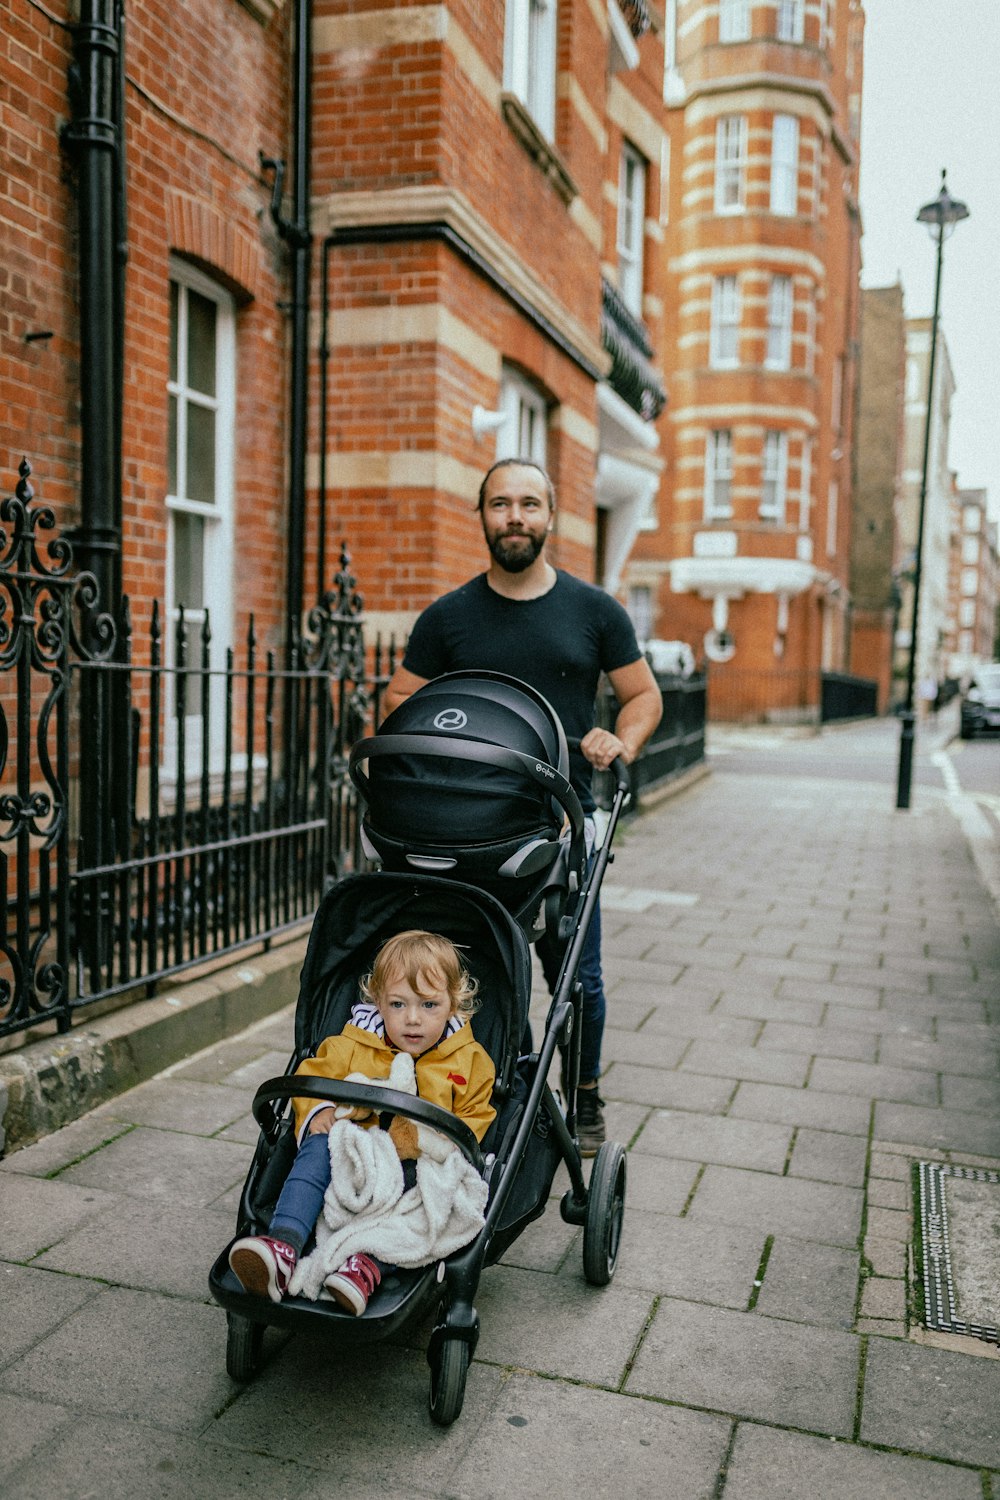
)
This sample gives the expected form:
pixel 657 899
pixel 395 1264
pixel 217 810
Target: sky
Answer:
pixel 931 100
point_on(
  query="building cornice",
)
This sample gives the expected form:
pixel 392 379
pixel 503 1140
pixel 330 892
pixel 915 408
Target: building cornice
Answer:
pixel 442 213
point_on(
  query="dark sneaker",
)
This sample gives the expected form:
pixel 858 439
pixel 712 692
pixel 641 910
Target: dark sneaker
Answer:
pixel 263 1266
pixel 590 1131
pixel 354 1283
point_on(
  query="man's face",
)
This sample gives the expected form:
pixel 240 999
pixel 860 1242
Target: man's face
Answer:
pixel 516 516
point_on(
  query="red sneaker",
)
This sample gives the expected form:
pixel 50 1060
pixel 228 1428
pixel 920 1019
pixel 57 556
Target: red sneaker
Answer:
pixel 262 1265
pixel 354 1283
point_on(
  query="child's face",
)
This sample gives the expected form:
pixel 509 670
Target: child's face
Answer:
pixel 414 1022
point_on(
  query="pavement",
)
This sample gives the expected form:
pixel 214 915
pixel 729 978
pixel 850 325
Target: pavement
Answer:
pixel 804 1002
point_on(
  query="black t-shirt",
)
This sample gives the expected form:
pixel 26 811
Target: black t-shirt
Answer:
pixel 559 644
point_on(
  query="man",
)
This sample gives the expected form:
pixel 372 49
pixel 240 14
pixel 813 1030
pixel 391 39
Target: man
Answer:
pixel 535 622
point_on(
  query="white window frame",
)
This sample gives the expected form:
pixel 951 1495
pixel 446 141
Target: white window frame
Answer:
pixel 734 20
pixel 780 310
pixel 724 332
pixel 631 227
pixel 524 433
pixel 640 611
pixel 730 163
pixel 967 612
pixel 832 517
pixel 969 584
pixel 719 474
pixel 785 164
pixel 217 542
pixel 529 67
pixel 790 20
pixel 774 477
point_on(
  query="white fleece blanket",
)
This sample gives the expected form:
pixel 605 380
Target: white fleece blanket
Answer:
pixel 365 1208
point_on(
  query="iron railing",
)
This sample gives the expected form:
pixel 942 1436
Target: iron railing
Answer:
pixel 677 743
pixel 164 806
pixel 787 695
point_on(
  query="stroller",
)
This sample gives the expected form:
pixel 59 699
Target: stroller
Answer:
pixel 471 813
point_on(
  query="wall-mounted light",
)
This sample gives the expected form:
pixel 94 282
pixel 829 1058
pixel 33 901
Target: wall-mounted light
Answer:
pixel 484 422
pixel 40 336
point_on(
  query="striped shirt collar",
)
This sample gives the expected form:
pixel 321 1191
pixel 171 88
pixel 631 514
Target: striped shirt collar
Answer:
pixel 366 1017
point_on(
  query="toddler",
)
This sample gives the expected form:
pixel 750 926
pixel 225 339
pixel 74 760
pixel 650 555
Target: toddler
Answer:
pixel 418 999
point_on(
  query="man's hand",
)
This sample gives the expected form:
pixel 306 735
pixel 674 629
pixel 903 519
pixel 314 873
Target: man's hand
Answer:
pixel 600 747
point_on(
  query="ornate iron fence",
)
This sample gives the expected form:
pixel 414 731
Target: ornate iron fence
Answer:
pixel 160 808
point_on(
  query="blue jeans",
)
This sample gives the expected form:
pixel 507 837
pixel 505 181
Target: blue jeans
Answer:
pixel 301 1199
pixel 594 1002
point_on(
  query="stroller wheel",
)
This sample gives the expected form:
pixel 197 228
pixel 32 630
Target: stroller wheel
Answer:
pixel 449 1369
pixel 243 1345
pixel 602 1227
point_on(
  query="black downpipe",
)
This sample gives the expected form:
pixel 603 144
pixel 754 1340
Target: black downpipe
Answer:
pixel 94 135
pixel 296 233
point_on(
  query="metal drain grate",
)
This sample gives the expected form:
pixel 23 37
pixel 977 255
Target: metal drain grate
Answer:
pixel 960 1223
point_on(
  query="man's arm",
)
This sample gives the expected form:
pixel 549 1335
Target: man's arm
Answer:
pixel 402 685
pixel 640 708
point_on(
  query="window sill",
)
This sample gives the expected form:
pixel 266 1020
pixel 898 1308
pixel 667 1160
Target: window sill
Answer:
pixel 538 148
pixel 262 10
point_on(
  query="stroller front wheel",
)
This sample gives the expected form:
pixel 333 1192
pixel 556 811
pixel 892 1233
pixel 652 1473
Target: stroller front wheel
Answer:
pixel 602 1227
pixel 244 1340
pixel 449 1369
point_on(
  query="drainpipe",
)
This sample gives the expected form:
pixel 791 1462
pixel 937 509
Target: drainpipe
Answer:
pixel 94 135
pixel 296 233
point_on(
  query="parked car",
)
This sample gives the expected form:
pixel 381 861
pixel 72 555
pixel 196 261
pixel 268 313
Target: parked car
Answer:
pixel 981 701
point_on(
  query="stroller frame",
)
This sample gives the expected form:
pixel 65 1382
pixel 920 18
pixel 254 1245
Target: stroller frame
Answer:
pixel 597 1206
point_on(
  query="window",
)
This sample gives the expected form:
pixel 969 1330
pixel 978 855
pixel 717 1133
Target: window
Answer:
pixel 837 395
pixel 631 221
pixel 970 581
pixel 805 488
pixel 967 612
pixel 790 20
pixel 529 68
pixel 832 504
pixel 730 154
pixel 779 323
pixel 774 479
pixel 784 164
pixel 970 549
pixel 201 402
pixel 719 475
pixel 523 434
pixel 670 37
pixel 640 611
pixel 971 518
pixel 724 338
pixel 734 20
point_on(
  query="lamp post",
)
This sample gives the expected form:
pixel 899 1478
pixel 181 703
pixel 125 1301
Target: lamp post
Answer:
pixel 941 215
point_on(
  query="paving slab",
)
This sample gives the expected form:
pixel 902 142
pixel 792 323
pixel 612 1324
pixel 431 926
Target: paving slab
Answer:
pixel 714 1263
pixel 765 1005
pixel 709 1138
pixel 683 1021
pixel 819 1041
pixel 177 1104
pixel 809 1283
pixel 126 1458
pixel 975 1060
pixel 846 1114
pixel 131 1354
pixel 874 1081
pixel 564 1447
pixel 35 1302
pixel 562 1326
pixel 657 1184
pixel 164 1165
pixel 755 1063
pixel 829 1157
pixel 810 1210
pixel 932 1401
pixel 676 1090
pixel 947 1129
pixel 739 1363
pixel 35 1212
pixel 62 1147
pixel 28 1428
pixel 766 1464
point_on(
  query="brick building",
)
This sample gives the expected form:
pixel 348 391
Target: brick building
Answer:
pixel 972 632
pixel 749 560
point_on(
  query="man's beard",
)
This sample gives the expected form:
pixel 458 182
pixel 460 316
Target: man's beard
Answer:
pixel 515 553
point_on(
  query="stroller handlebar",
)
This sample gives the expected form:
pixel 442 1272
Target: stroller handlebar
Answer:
pixel 618 768
pixel 379 1097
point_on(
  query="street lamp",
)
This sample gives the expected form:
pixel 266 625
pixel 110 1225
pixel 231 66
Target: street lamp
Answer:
pixel 941 215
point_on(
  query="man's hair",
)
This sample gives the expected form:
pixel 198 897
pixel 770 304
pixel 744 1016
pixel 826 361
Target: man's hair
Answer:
pixel 518 463
pixel 426 961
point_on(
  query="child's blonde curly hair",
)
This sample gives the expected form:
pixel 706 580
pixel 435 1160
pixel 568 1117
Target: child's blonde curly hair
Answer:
pixel 426 961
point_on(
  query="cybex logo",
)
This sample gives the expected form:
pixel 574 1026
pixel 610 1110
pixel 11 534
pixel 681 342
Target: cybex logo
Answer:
pixel 451 718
